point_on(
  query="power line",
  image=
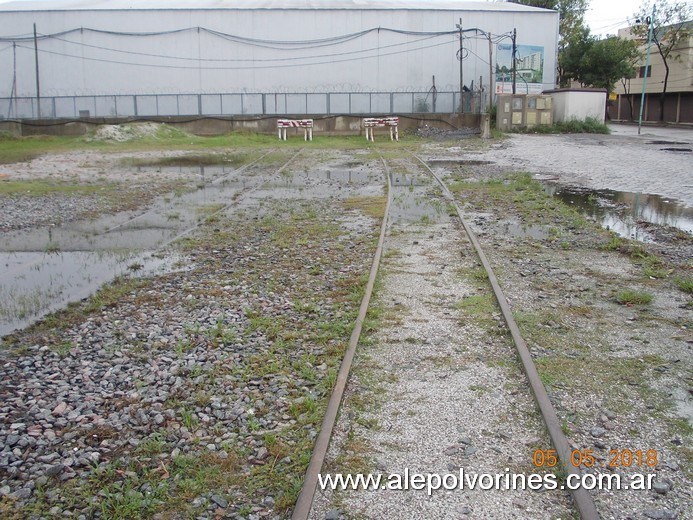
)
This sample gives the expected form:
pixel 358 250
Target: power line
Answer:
pixel 241 39
pixel 237 67
pixel 233 60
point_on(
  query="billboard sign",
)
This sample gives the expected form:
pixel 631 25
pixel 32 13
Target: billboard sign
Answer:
pixel 529 69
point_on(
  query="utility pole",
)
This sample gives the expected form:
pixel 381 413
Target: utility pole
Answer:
pixel 38 83
pixel 514 63
pixel 650 23
pixel 13 97
pixel 459 26
pixel 490 72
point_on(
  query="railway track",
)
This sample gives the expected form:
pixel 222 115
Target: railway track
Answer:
pixel 440 387
pixel 90 243
pixel 406 175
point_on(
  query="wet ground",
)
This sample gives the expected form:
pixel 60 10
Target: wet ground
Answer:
pixel 621 179
pixel 249 287
pixel 47 267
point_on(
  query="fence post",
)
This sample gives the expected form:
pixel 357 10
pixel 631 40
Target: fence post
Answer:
pixel 134 103
pixel 264 104
pixel 199 104
pixel 327 103
pixel 349 102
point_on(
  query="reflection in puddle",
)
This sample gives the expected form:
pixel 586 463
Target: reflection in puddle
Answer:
pixel 47 267
pixel 626 213
pixel 517 229
pixel 323 176
pixel 458 162
pixel 398 179
pixel 411 201
pixel 34 284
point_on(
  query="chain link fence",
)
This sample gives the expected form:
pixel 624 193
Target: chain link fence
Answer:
pixel 154 105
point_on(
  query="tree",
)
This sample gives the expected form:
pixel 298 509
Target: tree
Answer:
pixel 571 60
pixel 607 61
pixel 670 28
pixel 572 29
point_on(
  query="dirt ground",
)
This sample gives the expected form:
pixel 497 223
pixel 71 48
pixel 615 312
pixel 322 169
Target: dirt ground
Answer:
pixel 199 390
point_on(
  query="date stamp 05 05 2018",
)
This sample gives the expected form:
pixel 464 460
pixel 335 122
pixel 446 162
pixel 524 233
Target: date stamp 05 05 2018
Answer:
pixel 617 458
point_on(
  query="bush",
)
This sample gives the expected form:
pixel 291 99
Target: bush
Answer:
pixel 574 126
pixel 631 297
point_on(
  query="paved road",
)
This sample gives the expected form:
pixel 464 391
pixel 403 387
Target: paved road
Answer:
pixel 622 161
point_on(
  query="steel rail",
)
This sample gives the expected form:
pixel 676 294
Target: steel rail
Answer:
pixel 236 197
pixel 305 498
pixel 581 497
pixel 236 171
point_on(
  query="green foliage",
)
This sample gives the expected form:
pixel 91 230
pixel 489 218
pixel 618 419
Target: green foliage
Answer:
pixel 671 28
pixel 685 284
pixel 571 28
pixel 606 61
pixel 573 126
pixel 632 297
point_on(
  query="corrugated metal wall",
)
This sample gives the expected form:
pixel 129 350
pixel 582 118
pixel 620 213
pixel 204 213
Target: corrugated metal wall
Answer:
pixel 199 61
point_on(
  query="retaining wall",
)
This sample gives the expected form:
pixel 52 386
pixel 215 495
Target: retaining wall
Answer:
pixel 209 126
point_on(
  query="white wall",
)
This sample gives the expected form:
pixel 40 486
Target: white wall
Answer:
pixel 80 64
pixel 578 105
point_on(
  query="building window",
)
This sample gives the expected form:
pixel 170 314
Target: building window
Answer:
pixel 641 74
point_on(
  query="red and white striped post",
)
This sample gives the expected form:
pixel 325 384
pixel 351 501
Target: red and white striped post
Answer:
pixel 392 123
pixel 306 124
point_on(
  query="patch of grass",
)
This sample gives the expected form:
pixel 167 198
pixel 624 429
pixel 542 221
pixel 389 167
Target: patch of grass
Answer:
pixel 615 243
pixel 574 126
pixel 192 160
pixel 41 188
pixel 52 248
pixel 479 309
pixel 684 283
pixel 634 297
pixel 371 206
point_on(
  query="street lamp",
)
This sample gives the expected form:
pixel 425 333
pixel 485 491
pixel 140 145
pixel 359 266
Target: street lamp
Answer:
pixel 650 23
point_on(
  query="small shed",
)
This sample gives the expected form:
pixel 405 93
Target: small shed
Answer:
pixel 578 103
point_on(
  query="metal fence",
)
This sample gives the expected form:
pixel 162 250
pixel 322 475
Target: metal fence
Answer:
pixel 152 105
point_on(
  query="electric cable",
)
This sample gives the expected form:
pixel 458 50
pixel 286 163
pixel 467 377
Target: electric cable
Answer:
pixel 231 60
pixel 242 67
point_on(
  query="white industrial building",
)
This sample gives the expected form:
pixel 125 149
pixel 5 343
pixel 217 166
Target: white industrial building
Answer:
pixel 122 47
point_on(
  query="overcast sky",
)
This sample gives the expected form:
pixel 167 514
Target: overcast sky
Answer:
pixel 607 16
pixel 603 16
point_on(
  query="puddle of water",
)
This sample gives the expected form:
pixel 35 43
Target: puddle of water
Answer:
pixel 398 180
pixel 209 174
pixel 666 142
pixel 458 162
pixel 50 266
pixel 410 202
pixel 325 177
pixel 677 150
pixel 148 230
pixel 517 229
pixel 625 212
pixel 34 284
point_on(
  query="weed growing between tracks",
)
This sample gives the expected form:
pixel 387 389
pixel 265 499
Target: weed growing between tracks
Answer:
pixel 606 319
pixel 248 346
